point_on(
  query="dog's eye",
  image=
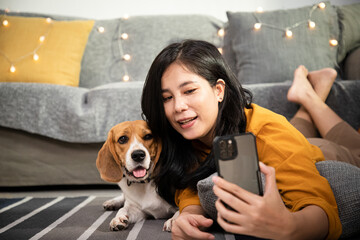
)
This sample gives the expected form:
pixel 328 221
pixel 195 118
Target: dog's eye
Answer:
pixel 148 137
pixel 123 139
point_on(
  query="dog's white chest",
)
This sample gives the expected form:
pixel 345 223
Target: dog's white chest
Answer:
pixel 145 197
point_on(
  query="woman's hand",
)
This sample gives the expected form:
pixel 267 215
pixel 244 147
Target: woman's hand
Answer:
pixel 261 216
pixel 190 223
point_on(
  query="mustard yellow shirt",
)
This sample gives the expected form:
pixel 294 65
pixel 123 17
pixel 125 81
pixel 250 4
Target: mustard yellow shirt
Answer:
pixel 283 147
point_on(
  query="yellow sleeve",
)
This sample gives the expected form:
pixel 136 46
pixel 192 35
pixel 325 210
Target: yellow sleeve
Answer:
pixel 283 147
pixel 186 197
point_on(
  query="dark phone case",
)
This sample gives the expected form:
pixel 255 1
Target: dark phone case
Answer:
pixel 242 166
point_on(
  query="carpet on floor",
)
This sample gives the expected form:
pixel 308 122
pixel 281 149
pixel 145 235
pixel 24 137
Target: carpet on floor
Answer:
pixel 73 218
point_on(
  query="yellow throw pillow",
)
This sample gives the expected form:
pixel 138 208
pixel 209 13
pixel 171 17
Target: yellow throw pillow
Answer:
pixel 58 56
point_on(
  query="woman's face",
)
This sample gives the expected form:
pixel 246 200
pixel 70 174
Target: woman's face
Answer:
pixel 190 103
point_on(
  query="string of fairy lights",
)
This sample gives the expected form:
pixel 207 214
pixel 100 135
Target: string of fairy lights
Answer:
pixel 288 31
pixel 123 36
pixel 33 53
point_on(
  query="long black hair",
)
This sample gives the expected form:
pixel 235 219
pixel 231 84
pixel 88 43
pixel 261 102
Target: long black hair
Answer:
pixel 178 156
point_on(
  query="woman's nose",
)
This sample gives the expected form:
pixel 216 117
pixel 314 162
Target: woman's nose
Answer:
pixel 180 105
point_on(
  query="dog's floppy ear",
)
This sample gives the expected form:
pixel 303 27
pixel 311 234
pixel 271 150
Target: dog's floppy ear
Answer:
pixel 109 170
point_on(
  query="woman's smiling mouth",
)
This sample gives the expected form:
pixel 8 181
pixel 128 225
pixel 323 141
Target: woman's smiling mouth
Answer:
pixel 186 123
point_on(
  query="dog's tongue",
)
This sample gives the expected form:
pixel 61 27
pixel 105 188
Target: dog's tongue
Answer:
pixel 139 172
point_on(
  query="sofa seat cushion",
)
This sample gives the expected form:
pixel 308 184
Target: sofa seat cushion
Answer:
pixel 55 59
pixel 86 115
pixel 66 113
pixel 343 99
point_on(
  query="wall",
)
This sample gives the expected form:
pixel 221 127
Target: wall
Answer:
pixel 105 9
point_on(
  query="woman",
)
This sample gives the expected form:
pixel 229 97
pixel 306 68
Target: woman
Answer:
pixel 190 96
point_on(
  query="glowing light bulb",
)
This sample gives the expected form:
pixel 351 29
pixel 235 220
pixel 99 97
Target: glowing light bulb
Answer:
pixel 35 57
pixel 257 26
pixel 220 50
pixel 221 32
pixel 101 29
pixel 124 36
pixel 5 23
pixel 311 24
pixel 12 69
pixel 126 16
pixel 126 78
pixel 42 38
pixel 259 10
pixel 126 57
pixel 333 42
pixel 322 5
pixel 288 33
pixel 48 20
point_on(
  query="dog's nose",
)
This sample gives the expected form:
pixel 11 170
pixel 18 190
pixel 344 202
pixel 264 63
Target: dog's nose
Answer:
pixel 138 155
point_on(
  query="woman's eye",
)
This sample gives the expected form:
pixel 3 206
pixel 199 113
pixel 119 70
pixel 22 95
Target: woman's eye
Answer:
pixel 123 139
pixel 190 91
pixel 165 99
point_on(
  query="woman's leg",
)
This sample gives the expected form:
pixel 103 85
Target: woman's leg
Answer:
pixel 303 92
pixel 328 123
pixel 321 82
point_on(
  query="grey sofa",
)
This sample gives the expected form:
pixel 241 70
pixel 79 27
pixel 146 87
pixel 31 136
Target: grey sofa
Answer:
pixel 50 134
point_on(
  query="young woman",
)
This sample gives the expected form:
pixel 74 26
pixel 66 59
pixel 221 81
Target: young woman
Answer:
pixel 189 97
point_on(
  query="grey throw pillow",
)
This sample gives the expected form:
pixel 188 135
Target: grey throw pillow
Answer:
pixel 344 180
pixel 266 55
pixel 349 22
pixel 141 38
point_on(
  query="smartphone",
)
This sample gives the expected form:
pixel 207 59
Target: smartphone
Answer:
pixel 237 161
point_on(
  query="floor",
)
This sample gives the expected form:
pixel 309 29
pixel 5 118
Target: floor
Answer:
pixel 59 192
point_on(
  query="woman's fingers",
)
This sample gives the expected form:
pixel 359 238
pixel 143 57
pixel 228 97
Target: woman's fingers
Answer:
pixel 269 176
pixel 187 227
pixel 229 226
pixel 234 189
pixel 229 214
pixel 228 198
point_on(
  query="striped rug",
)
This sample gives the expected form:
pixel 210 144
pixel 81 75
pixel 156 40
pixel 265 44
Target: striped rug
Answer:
pixel 72 218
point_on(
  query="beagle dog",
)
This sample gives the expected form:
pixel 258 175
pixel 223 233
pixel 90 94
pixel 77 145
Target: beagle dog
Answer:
pixel 128 157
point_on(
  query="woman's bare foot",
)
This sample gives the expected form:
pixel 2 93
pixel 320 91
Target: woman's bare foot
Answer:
pixel 301 88
pixel 322 81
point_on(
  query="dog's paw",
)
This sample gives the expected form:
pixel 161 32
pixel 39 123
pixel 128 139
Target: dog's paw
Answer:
pixel 112 205
pixel 168 225
pixel 119 223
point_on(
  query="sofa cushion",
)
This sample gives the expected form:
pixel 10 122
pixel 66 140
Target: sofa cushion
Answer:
pixel 266 55
pixel 59 54
pixel 349 23
pixel 66 113
pixel 344 180
pixel 146 36
pixel 343 99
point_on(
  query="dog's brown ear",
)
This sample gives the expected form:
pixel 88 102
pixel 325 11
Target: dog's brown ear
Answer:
pixel 109 170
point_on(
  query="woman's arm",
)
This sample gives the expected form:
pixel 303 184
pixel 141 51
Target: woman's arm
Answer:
pixel 191 224
pixel 266 216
